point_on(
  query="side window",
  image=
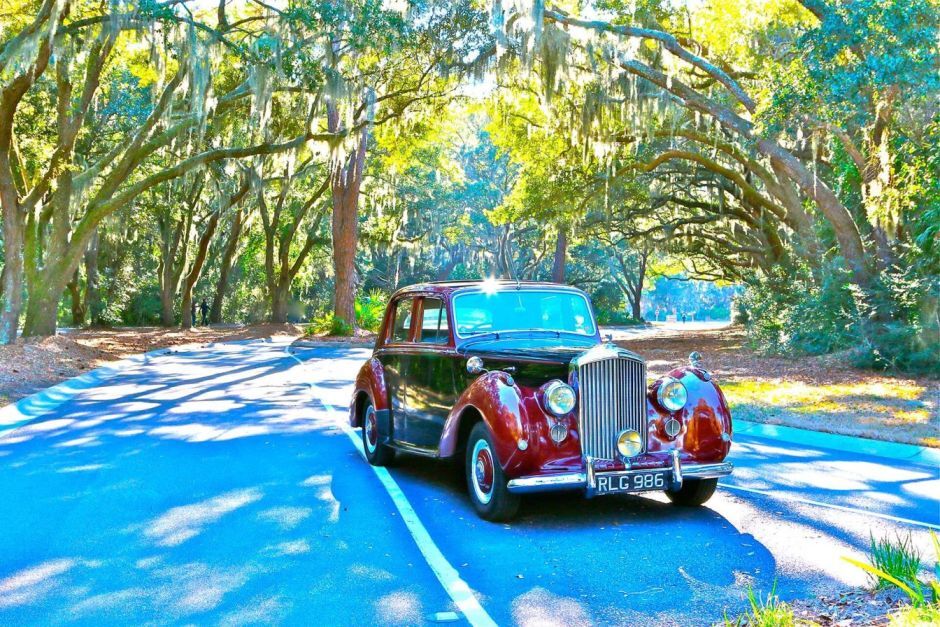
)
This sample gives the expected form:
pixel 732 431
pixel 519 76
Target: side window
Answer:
pixel 434 322
pixel 402 321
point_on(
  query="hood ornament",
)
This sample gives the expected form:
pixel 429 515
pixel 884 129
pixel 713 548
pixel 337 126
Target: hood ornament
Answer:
pixel 696 362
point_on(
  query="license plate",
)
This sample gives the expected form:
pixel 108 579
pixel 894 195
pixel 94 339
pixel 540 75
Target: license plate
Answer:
pixel 639 481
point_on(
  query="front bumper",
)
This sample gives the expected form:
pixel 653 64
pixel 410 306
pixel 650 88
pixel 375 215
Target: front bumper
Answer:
pixel 588 480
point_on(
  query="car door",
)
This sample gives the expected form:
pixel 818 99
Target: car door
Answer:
pixel 395 357
pixel 431 385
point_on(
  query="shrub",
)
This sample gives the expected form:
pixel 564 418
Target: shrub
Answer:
pixel 328 324
pixel 616 317
pixel 803 311
pixel 370 309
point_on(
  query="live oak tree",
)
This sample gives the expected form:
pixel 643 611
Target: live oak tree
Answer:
pixel 790 146
pixel 52 207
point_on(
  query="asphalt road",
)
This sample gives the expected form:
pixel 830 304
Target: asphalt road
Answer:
pixel 218 486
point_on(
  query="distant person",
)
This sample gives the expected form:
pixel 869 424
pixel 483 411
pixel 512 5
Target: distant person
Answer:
pixel 683 318
pixel 204 308
pixel 193 320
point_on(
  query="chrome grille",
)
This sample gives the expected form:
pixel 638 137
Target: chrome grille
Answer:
pixel 612 394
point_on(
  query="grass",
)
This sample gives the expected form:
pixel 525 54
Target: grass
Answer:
pixel 899 410
pixel 767 611
pixel 892 564
pixel 897 558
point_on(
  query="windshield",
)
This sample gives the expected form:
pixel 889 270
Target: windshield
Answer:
pixel 522 310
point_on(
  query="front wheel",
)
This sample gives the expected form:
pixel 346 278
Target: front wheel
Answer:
pixel 485 480
pixel 376 453
pixel 694 492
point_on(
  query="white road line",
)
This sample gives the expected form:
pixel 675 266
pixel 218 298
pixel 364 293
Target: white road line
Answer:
pixel 842 508
pixel 456 588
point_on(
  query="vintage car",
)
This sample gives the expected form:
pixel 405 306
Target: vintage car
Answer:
pixel 514 380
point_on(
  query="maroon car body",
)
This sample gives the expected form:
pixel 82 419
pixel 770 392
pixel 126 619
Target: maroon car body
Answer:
pixel 545 406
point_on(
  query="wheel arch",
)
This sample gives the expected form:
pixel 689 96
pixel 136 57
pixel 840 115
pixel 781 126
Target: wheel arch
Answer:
pixel 467 419
pixel 369 382
pixel 360 399
pixel 495 399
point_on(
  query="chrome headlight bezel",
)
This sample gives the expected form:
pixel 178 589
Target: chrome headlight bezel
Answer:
pixel 559 398
pixel 671 391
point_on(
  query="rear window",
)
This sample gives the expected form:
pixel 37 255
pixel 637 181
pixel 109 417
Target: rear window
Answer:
pixel 434 322
pixel 402 323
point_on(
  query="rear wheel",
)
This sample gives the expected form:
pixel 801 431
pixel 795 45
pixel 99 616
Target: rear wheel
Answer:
pixel 378 454
pixel 694 492
pixel 485 480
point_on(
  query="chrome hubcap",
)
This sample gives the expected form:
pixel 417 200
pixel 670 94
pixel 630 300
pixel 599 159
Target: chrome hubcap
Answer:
pixel 483 471
pixel 370 428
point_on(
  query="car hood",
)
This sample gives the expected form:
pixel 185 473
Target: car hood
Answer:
pixel 552 350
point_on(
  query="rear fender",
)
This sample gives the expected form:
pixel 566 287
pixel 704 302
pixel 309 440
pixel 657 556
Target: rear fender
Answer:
pixel 371 382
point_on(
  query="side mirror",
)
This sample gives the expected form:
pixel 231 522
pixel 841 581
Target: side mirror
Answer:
pixel 475 365
pixel 695 360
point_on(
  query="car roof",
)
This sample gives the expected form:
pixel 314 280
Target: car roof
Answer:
pixel 448 287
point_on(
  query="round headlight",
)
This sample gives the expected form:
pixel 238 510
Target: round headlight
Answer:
pixel 559 398
pixel 672 394
pixel 629 443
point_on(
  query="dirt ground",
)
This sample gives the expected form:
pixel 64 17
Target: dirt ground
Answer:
pixel 813 393
pixel 819 393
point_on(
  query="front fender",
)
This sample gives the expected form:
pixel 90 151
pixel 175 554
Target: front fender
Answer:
pixel 705 432
pixel 502 404
pixel 369 381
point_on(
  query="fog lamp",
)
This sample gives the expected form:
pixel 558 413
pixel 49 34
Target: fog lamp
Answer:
pixel 629 443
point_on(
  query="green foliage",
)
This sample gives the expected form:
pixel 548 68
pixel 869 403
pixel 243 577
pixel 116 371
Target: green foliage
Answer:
pixel 328 324
pixel 767 611
pixel 370 310
pixel 143 308
pixel 815 311
pixel 616 317
pixel 791 312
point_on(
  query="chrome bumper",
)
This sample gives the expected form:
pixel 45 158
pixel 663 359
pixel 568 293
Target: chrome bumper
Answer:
pixel 588 480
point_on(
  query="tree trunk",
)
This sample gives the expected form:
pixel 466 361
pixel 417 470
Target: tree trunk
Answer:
pixel 167 310
pixel 280 297
pixel 12 300
pixel 225 268
pixel 15 87
pixel 190 281
pixel 561 251
pixel 92 299
pixel 78 305
pixel 42 309
pixel 346 180
pixel 396 274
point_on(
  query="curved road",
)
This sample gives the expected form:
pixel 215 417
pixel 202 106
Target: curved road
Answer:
pixel 219 485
